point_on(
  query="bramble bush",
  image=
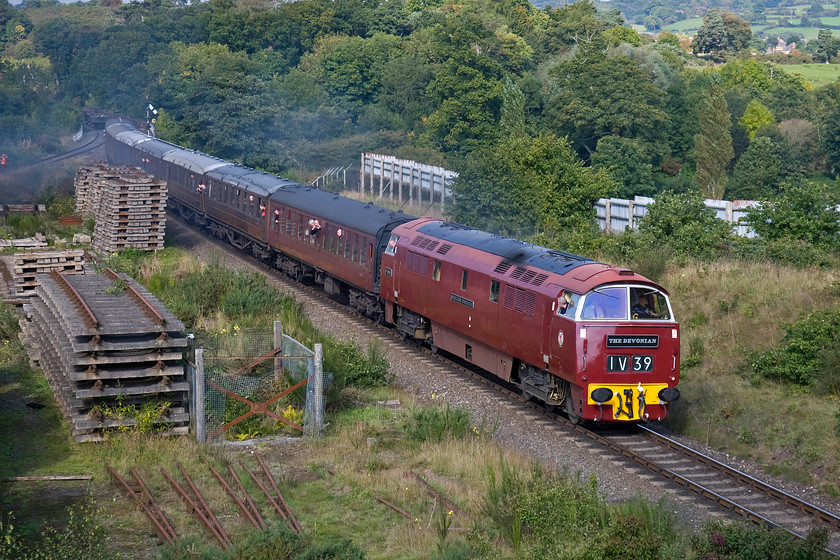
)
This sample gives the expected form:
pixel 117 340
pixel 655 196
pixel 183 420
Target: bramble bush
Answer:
pixel 798 359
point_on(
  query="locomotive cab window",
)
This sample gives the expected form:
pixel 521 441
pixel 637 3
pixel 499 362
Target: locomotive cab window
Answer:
pixel 436 271
pixel 608 302
pixel 647 303
pixel 391 249
pixel 567 304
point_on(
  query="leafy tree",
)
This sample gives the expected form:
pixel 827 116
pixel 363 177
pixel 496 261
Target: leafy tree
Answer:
pixel 525 184
pixel 722 33
pixel 627 162
pixel 713 148
pixel 684 223
pixel 825 47
pixel 760 172
pixel 802 139
pixel 513 109
pixel 602 96
pixel 577 24
pixel 755 117
pixel 805 211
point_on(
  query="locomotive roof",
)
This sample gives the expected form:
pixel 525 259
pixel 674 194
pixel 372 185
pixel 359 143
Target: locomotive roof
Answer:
pixel 511 250
pixel 361 216
pixel 250 179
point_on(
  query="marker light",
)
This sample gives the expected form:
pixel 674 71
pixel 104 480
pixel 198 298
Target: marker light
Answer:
pixel 601 395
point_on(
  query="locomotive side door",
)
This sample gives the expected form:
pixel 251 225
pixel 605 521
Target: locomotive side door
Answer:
pixel 558 344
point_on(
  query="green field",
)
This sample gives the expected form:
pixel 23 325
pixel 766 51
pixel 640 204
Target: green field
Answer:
pixel 817 74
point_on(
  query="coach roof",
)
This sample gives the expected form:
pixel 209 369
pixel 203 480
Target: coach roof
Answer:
pixel 315 203
pixel 250 179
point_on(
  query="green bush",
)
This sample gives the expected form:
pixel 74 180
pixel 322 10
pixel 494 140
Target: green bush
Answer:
pixel 742 541
pixel 797 358
pixel 341 549
pixel 437 424
pixel 353 366
pixel 684 223
pixel 81 537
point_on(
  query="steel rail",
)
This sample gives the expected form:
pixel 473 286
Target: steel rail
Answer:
pixel 236 499
pixel 195 511
pixel 254 509
pixel 207 511
pixel 88 317
pixel 268 495
pixel 138 297
pixel 818 514
pixel 283 503
pixel 163 532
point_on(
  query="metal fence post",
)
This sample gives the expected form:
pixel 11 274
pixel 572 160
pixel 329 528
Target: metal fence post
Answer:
pixel 278 343
pixel 318 389
pixel 200 406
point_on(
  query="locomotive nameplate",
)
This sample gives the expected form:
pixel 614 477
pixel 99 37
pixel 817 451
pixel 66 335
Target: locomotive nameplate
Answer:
pixel 462 300
pixel 630 341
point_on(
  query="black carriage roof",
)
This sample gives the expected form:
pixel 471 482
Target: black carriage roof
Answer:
pixel 511 250
pixel 315 203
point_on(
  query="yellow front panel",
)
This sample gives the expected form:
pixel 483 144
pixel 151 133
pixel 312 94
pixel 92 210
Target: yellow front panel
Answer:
pixel 627 406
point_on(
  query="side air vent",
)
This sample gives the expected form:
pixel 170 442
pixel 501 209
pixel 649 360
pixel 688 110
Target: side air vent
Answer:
pixel 444 248
pixel 502 267
pixel 520 300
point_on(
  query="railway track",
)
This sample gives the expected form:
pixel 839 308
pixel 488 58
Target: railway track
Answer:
pixel 95 142
pixel 659 459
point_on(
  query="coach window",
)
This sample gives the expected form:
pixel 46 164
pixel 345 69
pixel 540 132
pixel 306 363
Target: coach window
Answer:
pixel 355 257
pixel 463 279
pixel 436 271
pixel 494 290
pixel 347 247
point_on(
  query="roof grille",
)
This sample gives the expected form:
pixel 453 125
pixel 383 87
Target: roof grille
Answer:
pixel 418 240
pixel 540 278
pixel 444 248
pixel 517 273
pixel 502 267
pixel 529 275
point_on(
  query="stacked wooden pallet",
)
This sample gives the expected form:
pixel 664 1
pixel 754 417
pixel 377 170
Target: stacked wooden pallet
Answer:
pixel 112 354
pixel 28 265
pixel 131 213
pixel 33 242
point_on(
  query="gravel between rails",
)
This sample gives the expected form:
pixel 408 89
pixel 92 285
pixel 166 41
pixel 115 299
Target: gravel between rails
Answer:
pixel 517 428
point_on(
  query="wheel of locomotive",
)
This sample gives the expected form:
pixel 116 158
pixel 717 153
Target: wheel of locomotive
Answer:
pixel 525 394
pixel 569 408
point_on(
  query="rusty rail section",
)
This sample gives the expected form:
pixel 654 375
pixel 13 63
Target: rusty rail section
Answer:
pixel 393 507
pixel 285 505
pixel 205 517
pixel 144 303
pixel 284 510
pixel 243 508
pixel 88 317
pixel 254 509
pixel 437 494
pixel 160 524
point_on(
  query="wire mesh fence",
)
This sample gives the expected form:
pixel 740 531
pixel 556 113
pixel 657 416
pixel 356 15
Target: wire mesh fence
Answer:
pixel 255 383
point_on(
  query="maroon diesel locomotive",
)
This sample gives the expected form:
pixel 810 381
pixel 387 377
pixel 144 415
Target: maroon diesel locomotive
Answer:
pixel 600 342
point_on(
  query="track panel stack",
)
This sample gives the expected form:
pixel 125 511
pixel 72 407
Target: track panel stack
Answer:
pixel 28 265
pixel 111 352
